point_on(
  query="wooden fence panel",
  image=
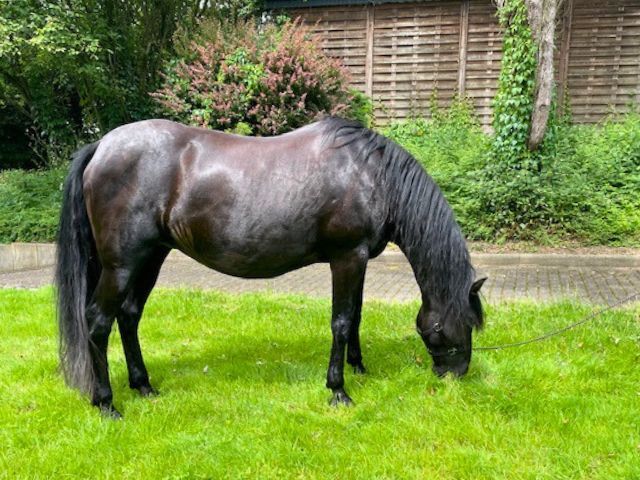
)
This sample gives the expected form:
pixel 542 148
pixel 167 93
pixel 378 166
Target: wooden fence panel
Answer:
pixel 402 54
pixel 603 73
pixel 415 56
pixel 343 31
pixel 405 55
pixel 484 54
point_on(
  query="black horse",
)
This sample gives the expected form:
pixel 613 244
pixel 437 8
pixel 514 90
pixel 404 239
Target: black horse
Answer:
pixel 332 191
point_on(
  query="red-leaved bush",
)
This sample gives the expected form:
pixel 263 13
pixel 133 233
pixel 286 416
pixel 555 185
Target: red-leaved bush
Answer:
pixel 272 80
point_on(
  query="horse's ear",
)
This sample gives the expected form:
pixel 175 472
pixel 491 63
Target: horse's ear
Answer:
pixel 475 288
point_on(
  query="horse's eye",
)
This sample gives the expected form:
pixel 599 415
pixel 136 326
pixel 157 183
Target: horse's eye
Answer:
pixel 436 338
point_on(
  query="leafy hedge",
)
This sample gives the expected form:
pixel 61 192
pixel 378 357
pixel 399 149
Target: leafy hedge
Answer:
pixel 596 181
pixel 30 204
pixel 587 189
pixel 590 185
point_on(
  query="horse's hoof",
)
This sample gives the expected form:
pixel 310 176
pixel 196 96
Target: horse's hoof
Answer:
pixel 340 397
pixel 359 369
pixel 110 412
pixel 148 391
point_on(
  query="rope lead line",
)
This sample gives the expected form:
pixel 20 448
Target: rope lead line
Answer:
pixel 553 333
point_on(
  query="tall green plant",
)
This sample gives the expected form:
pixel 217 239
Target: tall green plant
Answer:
pixel 49 53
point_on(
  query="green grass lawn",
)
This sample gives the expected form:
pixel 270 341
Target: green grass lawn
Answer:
pixel 241 381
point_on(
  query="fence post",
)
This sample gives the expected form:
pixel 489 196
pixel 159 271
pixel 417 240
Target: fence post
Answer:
pixel 563 67
pixel 368 66
pixel 462 59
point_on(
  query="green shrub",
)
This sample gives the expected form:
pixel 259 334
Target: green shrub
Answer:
pixel 240 128
pixel 595 181
pixel 513 177
pixel 360 108
pixel 274 79
pixel 587 188
pixel 30 204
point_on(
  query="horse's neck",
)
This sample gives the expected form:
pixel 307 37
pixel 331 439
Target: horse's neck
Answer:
pixel 418 265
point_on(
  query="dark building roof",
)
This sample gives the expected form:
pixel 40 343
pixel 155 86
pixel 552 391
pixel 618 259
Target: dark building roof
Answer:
pixel 283 4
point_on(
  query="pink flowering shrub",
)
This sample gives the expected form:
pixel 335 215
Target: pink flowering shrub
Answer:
pixel 272 80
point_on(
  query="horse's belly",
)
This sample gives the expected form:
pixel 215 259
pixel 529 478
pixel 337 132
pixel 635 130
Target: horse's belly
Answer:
pixel 237 240
pixel 256 265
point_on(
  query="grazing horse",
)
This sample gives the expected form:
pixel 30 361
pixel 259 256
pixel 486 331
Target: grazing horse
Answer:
pixel 332 191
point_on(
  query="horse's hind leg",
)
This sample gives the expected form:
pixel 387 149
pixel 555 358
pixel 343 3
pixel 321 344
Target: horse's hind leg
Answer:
pixel 129 318
pixel 101 312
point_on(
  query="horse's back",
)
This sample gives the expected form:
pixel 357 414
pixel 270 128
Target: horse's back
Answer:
pixel 243 205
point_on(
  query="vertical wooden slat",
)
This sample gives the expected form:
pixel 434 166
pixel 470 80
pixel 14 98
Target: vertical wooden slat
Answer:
pixel 369 59
pixel 565 42
pixel 604 66
pixel 414 104
pixel 616 54
pixel 637 99
pixel 484 54
pixel 394 61
pixel 464 31
pixel 437 47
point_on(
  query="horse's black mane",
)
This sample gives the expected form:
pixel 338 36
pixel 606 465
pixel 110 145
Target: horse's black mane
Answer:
pixel 423 223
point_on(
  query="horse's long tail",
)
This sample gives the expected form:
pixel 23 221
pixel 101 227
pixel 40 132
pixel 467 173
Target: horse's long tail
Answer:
pixel 76 276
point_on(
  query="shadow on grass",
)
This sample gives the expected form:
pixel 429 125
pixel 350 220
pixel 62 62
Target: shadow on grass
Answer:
pixel 292 363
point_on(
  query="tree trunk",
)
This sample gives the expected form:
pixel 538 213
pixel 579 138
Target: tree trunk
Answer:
pixel 542 19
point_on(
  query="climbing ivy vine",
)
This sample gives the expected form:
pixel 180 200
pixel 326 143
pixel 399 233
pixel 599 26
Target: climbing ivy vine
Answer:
pixel 513 102
pixel 512 181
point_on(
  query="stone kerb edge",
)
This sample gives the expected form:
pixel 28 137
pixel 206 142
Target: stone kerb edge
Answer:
pixel 26 256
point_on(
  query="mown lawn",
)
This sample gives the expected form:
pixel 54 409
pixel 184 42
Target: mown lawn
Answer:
pixel 242 395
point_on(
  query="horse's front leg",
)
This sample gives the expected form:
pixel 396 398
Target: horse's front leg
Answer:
pixel 354 352
pixel 347 271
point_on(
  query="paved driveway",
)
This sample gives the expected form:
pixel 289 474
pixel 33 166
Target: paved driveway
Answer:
pixel 596 280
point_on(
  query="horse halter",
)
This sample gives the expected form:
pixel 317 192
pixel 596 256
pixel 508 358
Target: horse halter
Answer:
pixel 437 328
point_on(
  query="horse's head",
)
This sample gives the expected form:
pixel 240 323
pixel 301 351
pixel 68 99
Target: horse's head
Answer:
pixel 448 340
